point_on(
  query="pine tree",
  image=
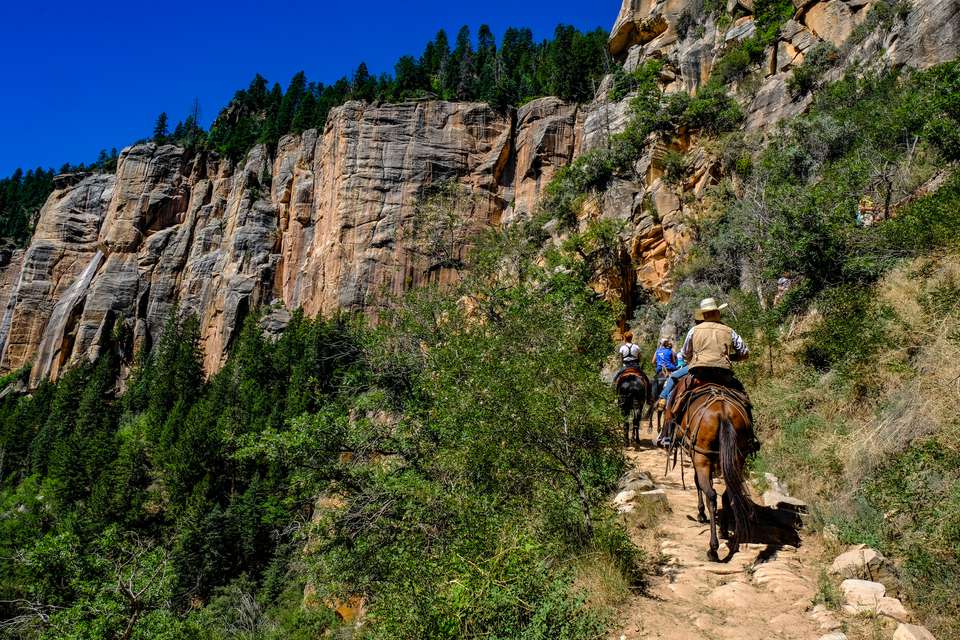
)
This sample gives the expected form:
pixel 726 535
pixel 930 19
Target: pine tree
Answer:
pixel 160 130
pixel 486 65
pixel 363 86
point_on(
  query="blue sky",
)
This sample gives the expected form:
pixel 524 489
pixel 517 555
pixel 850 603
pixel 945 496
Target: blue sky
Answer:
pixel 82 76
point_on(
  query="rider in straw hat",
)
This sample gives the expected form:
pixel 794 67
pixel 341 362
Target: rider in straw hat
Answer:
pixel 712 347
pixel 709 349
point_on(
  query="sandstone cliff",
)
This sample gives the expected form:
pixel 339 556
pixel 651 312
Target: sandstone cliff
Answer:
pixel 321 226
pixel 322 222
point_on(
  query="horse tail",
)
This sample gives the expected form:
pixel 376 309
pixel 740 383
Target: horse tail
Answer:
pixel 730 465
pixel 651 400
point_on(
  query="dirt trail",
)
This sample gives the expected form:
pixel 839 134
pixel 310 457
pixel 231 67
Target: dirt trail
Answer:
pixel 765 591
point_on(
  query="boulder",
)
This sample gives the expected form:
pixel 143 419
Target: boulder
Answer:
pixel 832 20
pixel 866 596
pixel 636 24
pixel 857 592
pixel 912 632
pixel 741 30
pixel 777 500
pixel 866 564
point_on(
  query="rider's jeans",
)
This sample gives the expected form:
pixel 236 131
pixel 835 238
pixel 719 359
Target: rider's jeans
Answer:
pixel 672 380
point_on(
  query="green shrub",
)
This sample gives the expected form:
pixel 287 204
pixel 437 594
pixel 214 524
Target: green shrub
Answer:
pixel 805 78
pixel 684 23
pixel 851 329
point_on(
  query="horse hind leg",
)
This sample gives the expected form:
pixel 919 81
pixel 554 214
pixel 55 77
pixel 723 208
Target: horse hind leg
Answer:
pixel 701 511
pixel 637 416
pixel 702 469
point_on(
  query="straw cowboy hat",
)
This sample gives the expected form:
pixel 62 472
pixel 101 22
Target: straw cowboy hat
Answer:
pixel 709 305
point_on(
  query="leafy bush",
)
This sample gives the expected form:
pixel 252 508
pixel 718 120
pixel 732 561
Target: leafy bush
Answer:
pixel 439 466
pixel 850 332
pixel 684 23
pixel 819 59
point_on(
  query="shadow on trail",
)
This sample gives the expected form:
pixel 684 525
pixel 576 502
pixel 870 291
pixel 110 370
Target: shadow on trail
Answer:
pixel 775 527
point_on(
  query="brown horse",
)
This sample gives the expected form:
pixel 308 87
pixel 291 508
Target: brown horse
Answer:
pixel 716 428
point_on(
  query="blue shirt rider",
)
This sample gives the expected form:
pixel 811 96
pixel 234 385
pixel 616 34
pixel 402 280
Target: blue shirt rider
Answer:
pixel 664 360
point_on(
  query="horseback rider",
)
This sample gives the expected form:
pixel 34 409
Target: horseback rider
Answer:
pixel 629 355
pixel 664 360
pixel 709 349
pixel 712 347
pixel 681 370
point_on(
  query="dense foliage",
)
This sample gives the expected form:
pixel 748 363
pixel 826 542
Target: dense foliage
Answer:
pixel 449 468
pixel 569 66
pixel 851 406
pixel 654 116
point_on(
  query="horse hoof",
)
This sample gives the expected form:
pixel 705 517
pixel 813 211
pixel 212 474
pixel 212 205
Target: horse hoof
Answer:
pixel 702 519
pixel 712 555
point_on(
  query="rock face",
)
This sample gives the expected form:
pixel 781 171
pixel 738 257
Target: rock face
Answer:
pixel 324 225
pixel 325 221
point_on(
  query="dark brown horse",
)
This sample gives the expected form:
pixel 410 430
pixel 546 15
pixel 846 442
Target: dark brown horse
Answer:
pixel 633 391
pixel 716 429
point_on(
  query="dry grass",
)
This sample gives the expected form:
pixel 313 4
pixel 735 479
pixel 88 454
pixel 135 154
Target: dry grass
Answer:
pixel 837 440
pixel 925 401
pixel 918 380
pixel 599 578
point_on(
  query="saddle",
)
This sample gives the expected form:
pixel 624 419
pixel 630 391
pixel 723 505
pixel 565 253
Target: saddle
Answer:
pixel 632 371
pixel 688 385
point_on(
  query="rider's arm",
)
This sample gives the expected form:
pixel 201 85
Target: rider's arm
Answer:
pixel 687 350
pixel 742 352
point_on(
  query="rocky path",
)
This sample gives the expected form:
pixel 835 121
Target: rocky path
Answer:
pixel 766 590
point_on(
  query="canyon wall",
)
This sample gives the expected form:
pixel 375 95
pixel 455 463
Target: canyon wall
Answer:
pixel 324 222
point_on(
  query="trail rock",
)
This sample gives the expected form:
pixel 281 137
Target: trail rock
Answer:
pixel 857 592
pixel 866 596
pixel 778 500
pixel 912 632
pixel 732 595
pixel 825 618
pixel 624 497
pixel 657 497
pixel 637 480
pixel 866 564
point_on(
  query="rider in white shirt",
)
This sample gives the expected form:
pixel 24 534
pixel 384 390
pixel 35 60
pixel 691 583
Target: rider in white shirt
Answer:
pixel 629 354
